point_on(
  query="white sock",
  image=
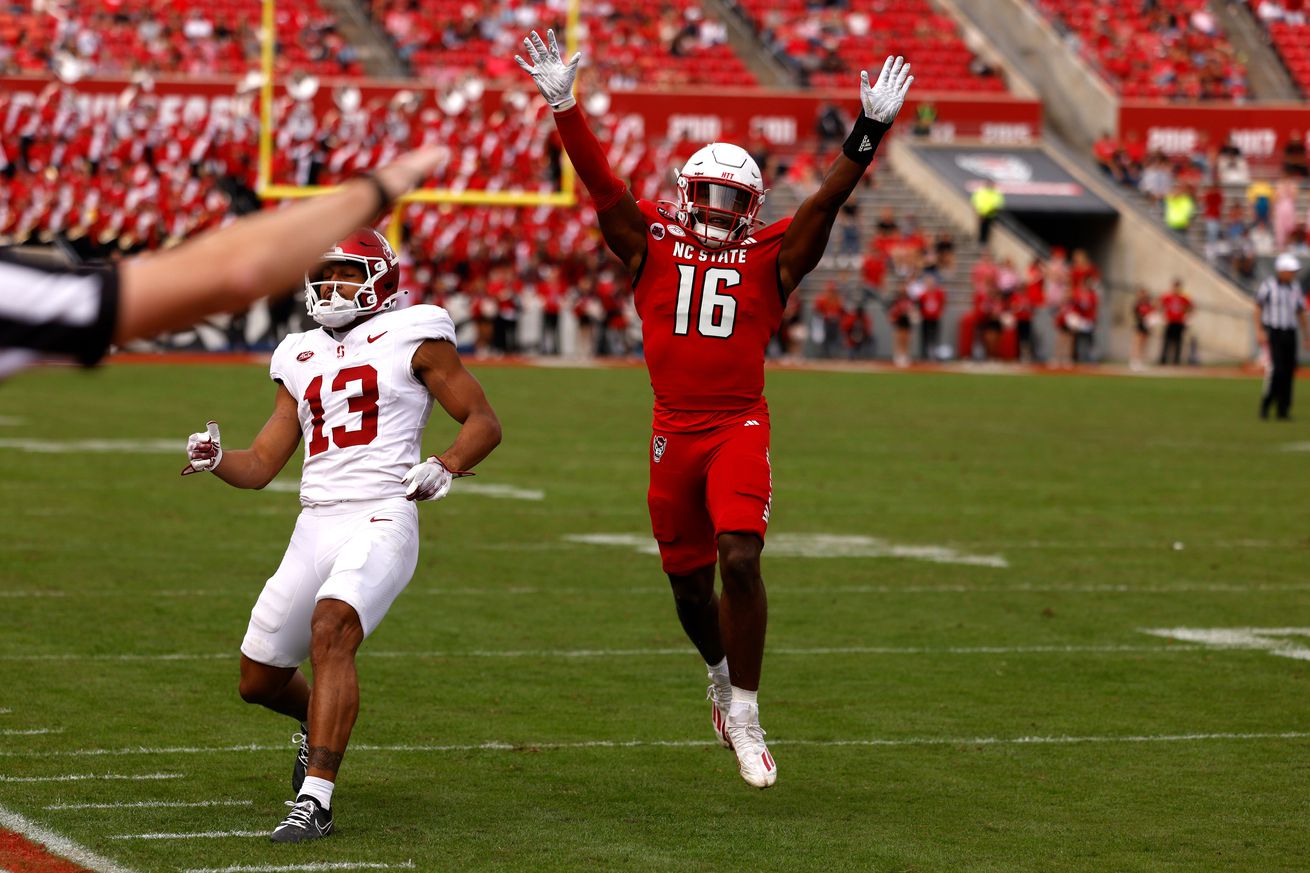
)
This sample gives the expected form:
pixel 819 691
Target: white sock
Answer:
pixel 719 673
pixel 319 789
pixel 743 702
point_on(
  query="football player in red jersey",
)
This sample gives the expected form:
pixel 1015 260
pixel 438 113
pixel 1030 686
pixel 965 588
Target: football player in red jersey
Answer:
pixel 710 286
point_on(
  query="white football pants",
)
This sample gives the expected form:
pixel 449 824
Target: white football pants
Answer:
pixel 359 552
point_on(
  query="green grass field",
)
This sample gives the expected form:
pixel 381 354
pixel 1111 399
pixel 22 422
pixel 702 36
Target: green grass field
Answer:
pixel 904 697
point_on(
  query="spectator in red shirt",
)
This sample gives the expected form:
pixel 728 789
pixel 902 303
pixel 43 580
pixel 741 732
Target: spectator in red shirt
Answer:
pixel 857 331
pixel 1085 302
pixel 874 273
pixel 1019 307
pixel 1176 306
pixel 932 303
pixel 828 311
pixel 898 313
pixel 1143 315
pixel 1212 210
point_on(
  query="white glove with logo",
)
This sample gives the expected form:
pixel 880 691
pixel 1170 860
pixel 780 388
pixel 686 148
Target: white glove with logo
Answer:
pixel 203 450
pixel 429 480
pixel 884 99
pixel 554 78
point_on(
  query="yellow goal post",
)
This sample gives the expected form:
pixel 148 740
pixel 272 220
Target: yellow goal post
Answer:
pixel 267 189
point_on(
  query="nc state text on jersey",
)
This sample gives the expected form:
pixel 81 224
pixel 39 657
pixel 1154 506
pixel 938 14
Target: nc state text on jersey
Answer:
pixel 735 255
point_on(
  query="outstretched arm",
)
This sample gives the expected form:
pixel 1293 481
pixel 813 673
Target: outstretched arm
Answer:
pixel 228 269
pixel 807 236
pixel 256 466
pixel 621 222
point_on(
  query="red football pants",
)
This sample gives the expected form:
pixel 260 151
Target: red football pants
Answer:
pixel 707 483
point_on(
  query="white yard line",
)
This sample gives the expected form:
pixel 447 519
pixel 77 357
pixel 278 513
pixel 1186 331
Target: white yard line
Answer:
pixel 656 589
pixel 818 545
pixel 628 653
pixel 499 746
pixel 132 447
pixel 94 777
pixel 58 844
pixel 150 804
pixel 308 868
pixel 29 732
pixel 189 835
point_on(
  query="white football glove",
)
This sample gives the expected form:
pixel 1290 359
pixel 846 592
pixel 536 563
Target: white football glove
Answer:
pixel 429 480
pixel 204 451
pixel 884 99
pixel 554 78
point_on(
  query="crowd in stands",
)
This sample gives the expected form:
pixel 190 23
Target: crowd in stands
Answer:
pixel 1288 29
pixel 826 44
pixel 1171 49
pixel 628 43
pixel 1248 216
pixel 181 37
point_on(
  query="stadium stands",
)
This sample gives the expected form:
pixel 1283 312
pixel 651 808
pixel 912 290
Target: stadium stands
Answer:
pixel 1171 49
pixel 189 37
pixel 826 44
pixel 1289 34
pixel 628 42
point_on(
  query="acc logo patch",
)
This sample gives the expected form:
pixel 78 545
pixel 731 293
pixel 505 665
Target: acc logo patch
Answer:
pixel 304 356
pixel 677 230
pixel 657 447
pixel 657 230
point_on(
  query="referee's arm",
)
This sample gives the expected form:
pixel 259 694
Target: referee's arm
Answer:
pixel 78 314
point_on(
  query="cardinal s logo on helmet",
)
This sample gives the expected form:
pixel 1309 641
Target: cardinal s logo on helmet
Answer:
pixel 379 291
pixel 720 192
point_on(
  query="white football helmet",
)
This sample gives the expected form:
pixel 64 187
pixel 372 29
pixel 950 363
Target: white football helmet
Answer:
pixel 380 290
pixel 720 192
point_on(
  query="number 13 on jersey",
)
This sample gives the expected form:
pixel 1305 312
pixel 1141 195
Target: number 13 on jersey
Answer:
pixel 717 311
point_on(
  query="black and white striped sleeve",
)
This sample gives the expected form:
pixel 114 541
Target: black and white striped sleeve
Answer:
pixel 46 311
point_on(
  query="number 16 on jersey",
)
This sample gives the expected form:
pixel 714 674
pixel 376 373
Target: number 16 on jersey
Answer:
pixel 718 311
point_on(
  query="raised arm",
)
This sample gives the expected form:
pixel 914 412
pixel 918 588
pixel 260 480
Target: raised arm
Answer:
pixel 228 269
pixel 256 466
pixel 437 364
pixel 807 236
pixel 621 222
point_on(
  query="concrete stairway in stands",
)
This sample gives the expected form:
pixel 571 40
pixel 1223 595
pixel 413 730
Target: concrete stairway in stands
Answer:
pixel 358 29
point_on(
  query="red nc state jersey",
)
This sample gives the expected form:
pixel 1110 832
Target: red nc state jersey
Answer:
pixel 707 316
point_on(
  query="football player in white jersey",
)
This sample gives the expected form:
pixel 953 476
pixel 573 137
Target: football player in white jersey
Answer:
pixel 358 391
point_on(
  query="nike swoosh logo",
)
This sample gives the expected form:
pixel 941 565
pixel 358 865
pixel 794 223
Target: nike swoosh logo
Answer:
pixel 381 519
pixel 378 337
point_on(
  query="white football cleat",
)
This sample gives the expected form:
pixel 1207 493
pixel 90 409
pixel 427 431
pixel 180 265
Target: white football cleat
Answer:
pixel 720 702
pixel 754 762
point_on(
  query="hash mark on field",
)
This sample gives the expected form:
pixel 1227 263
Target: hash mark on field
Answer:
pixel 29 732
pixel 310 868
pixel 150 804
pixel 680 651
pixel 86 777
pixel 1297 447
pixel 822 545
pixel 191 835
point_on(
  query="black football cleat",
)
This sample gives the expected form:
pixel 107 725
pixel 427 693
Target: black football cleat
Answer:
pixel 302 759
pixel 306 821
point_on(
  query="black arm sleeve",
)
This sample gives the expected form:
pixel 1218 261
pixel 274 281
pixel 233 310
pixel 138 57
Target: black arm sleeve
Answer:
pixel 57 311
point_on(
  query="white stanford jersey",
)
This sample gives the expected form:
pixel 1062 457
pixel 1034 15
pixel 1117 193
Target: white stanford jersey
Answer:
pixel 362 410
